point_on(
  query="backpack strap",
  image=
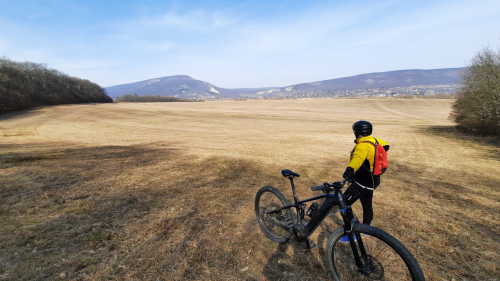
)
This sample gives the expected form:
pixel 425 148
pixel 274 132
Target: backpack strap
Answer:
pixel 374 155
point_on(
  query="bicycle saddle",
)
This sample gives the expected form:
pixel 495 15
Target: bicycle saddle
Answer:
pixel 289 174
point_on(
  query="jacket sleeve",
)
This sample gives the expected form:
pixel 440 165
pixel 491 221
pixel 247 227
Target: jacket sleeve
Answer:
pixel 381 142
pixel 359 155
pixel 384 144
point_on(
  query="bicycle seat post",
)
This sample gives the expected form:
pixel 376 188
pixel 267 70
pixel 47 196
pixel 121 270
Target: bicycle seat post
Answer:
pixel 290 175
pixel 293 190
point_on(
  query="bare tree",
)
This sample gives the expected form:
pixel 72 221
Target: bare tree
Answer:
pixel 477 107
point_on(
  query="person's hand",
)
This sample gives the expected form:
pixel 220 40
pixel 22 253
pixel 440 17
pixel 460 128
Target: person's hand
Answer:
pixel 349 174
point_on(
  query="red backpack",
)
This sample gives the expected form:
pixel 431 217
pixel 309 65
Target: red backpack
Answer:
pixel 380 163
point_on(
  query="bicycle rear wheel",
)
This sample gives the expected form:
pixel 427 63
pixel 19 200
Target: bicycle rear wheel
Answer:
pixel 274 227
pixel 386 258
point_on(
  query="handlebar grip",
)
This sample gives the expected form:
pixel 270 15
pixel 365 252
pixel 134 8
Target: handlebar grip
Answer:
pixel 319 187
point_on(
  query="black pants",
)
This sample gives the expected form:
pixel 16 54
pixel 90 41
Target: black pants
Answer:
pixel 355 192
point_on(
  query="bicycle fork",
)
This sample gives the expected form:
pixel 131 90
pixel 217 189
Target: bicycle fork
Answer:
pixel 349 223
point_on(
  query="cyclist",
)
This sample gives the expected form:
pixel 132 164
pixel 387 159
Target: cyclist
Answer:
pixel 359 172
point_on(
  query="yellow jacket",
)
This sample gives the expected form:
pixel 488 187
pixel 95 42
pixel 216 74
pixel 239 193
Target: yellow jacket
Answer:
pixel 364 151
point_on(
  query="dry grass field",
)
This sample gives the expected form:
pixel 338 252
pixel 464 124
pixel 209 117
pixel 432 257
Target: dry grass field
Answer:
pixel 165 191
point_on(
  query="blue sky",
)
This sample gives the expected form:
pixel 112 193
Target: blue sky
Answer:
pixel 245 44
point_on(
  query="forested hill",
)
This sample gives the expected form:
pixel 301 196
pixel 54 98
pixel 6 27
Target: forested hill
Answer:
pixel 25 85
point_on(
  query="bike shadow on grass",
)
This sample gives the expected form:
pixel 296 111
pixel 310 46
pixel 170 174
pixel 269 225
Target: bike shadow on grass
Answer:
pixel 301 263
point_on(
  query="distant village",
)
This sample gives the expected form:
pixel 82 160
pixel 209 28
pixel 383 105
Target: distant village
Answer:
pixel 439 91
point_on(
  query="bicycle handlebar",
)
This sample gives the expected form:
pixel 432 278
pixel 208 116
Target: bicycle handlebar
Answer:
pixel 325 186
pixel 319 187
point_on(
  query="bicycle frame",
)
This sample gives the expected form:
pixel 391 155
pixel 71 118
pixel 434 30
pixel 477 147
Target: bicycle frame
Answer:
pixel 332 200
pixel 336 199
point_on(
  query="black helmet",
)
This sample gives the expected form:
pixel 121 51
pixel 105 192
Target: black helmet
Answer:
pixel 362 128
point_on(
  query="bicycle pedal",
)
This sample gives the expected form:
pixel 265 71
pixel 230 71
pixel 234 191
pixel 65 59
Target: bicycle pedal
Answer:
pixel 289 223
pixel 311 245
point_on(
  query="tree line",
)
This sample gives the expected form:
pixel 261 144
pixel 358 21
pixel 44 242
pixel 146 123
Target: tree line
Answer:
pixel 25 85
pixel 137 98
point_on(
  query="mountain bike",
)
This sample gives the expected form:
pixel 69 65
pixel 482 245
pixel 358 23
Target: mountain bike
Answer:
pixel 370 254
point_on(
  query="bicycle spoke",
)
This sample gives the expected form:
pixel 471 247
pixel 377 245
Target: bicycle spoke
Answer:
pixel 380 263
pixel 271 222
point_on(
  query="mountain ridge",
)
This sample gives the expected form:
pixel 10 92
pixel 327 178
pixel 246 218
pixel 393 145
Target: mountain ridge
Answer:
pixel 410 81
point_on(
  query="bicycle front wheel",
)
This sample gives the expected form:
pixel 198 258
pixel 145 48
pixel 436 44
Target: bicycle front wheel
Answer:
pixel 269 198
pixel 385 258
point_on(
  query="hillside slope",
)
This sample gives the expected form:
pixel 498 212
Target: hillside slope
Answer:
pixel 398 78
pixel 176 86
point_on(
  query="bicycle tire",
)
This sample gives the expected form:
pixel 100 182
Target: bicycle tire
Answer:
pixel 269 198
pixel 380 261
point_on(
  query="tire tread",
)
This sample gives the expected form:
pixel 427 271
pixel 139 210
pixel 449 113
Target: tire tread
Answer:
pixel 404 253
pixel 284 201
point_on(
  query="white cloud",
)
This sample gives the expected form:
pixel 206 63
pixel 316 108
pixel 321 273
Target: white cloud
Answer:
pixel 312 30
pixel 196 19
